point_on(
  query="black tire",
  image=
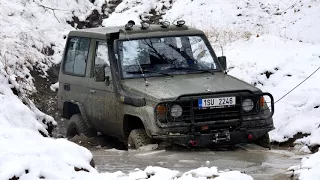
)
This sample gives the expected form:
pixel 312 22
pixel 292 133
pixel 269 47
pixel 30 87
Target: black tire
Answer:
pixel 77 126
pixel 92 163
pixel 264 141
pixel 138 138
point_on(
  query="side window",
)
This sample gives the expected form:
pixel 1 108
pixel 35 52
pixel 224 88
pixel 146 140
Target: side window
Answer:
pixel 76 56
pixel 201 52
pixel 102 57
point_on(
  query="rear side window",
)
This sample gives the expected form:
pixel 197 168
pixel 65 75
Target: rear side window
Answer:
pixel 76 56
pixel 102 57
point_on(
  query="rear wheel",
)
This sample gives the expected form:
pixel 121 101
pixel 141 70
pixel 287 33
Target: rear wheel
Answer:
pixel 138 138
pixel 263 141
pixel 77 126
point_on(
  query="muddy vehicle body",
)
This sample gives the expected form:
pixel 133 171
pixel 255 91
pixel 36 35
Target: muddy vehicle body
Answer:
pixel 150 83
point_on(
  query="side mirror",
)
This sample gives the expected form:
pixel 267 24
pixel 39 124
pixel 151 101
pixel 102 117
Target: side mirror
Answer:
pixel 99 73
pixel 223 62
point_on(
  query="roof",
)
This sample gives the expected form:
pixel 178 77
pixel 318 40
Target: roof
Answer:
pixel 136 32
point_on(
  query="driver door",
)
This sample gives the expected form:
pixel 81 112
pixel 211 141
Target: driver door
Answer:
pixel 102 97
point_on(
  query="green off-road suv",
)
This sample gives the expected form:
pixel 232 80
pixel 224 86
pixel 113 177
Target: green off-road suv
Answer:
pixel 152 83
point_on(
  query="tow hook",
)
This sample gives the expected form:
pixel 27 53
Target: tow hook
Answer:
pixel 221 136
pixel 193 143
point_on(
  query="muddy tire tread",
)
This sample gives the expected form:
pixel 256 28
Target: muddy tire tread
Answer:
pixel 264 141
pixel 138 138
pixel 76 121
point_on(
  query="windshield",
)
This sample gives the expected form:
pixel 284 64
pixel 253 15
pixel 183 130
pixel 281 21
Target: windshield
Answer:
pixel 165 56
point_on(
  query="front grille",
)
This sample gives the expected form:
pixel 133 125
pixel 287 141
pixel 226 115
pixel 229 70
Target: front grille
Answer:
pixel 191 110
pixel 201 115
pixel 222 116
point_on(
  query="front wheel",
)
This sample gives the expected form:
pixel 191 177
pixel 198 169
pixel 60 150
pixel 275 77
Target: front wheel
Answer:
pixel 138 138
pixel 263 141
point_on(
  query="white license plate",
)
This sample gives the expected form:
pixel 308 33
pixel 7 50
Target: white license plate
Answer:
pixel 217 102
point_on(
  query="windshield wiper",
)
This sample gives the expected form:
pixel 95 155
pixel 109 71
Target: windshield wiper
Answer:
pixel 151 71
pixel 188 68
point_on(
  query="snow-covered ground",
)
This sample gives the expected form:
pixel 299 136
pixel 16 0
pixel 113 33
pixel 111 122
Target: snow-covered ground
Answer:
pixel 258 37
pixel 289 63
pixel 309 168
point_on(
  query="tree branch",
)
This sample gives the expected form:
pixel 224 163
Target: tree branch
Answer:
pixel 53 9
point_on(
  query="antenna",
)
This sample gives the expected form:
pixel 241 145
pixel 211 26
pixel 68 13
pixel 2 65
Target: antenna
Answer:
pixel 221 48
pixel 143 75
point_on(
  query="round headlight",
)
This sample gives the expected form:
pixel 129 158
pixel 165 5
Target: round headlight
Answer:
pixel 176 111
pixel 247 105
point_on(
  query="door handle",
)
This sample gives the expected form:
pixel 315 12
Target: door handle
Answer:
pixel 66 87
pixel 92 91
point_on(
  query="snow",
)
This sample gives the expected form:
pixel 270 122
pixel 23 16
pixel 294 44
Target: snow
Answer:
pixel 290 62
pixel 309 168
pixel 28 28
pixel 54 87
pixel 135 10
pixel 252 16
pixel 14 113
pixel 23 148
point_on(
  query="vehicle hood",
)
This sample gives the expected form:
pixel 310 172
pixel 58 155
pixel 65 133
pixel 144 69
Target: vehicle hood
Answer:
pixel 168 88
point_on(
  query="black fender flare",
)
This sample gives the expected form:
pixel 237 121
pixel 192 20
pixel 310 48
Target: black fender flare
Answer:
pixel 143 121
pixel 82 111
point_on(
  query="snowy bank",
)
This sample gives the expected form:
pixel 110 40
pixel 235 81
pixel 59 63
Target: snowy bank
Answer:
pixel 159 173
pixel 32 36
pixel 277 65
pixel 309 168
pixel 24 152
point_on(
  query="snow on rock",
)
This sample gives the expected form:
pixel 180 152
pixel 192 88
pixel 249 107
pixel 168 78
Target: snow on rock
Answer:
pixel 309 168
pixel 14 113
pixel 213 173
pixel 203 172
pixel 54 87
pixel 24 153
pixel 159 173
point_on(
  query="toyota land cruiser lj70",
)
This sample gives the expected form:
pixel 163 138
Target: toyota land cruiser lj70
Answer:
pixel 145 83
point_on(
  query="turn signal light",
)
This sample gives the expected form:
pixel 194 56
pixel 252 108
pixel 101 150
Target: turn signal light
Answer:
pixel 261 101
pixel 204 128
pixel 162 111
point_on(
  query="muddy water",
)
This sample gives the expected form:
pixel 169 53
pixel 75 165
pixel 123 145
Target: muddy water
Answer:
pixel 258 162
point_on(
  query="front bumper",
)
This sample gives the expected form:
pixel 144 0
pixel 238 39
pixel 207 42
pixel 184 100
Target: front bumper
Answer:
pixel 215 138
pixel 220 128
